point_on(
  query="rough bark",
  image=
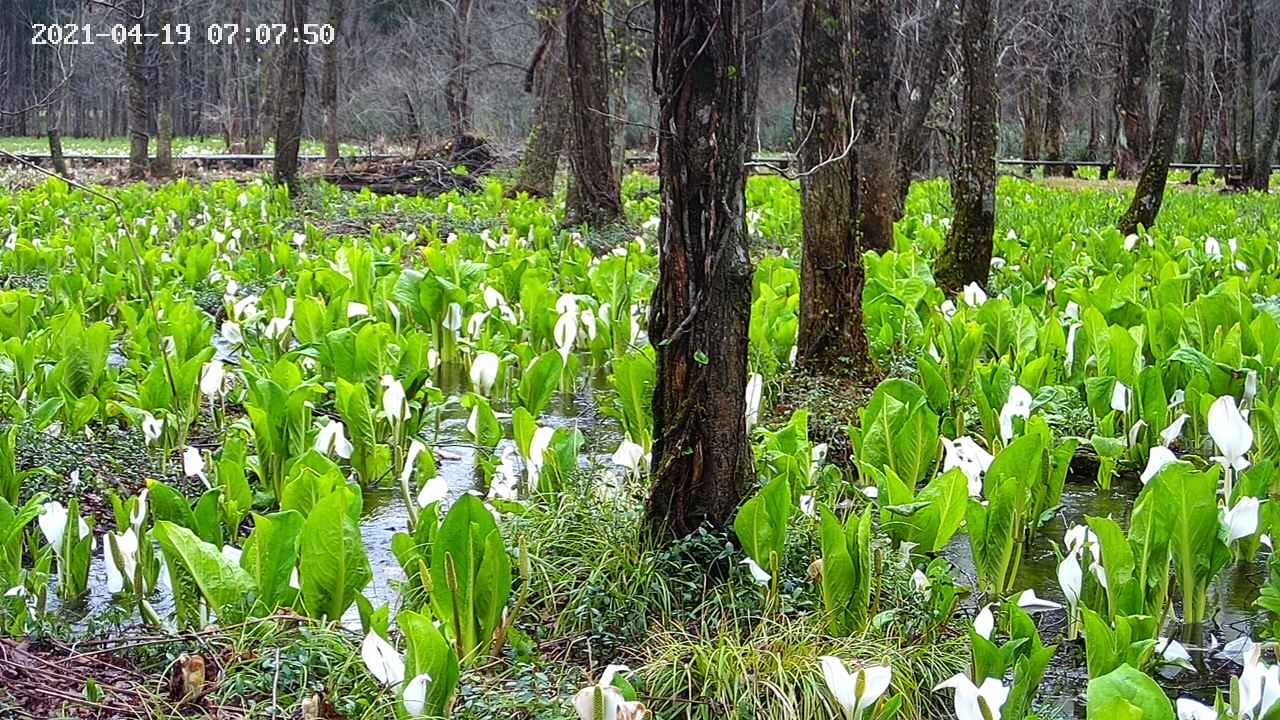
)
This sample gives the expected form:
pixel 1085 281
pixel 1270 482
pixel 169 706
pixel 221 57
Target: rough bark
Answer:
pixel 166 83
pixel 704 75
pixel 135 56
pixel 457 89
pixel 1149 194
pixel 1054 139
pixel 1032 125
pixel 56 157
pixel 595 196
pixel 912 139
pixel 876 162
pixel 1260 178
pixel 1135 26
pixel 619 63
pixel 549 83
pixel 1196 119
pixel 966 252
pixel 1224 99
pixel 1247 68
pixel 831 274
pixel 293 90
pixel 329 83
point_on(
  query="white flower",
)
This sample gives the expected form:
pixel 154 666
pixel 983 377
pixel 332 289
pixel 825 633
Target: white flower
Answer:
pixel 484 372
pixel 857 691
pixel 332 439
pixel 415 695
pixel 151 428
pixel 759 574
pixel 139 512
pixel 192 462
pixel 808 505
pixel 1241 521
pixel 1172 651
pixel 984 622
pixel 355 310
pixel 537 449
pixel 436 489
pixel 920 581
pixel 232 553
pixel 1017 405
pixel 755 387
pixel 584 701
pixel 211 377
pixel 53 524
pixel 1230 432
pixel 1130 242
pixel 452 318
pixel 1120 397
pixel 947 308
pixel 382 660
pixel 1070 578
pixel 1213 248
pixel 1156 460
pixel 1029 602
pixel 394 406
pixel 973 295
pixel 566 332
pixel 970 457
pixel 231 333
pixel 628 455
pixel 1072 310
pixel 970 700
pixel 118 576
pixel 1174 429
pixel 1189 709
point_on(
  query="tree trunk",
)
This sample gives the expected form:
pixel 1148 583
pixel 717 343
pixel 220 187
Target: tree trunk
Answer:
pixel 595 196
pixel 135 58
pixel 1223 80
pixel 913 138
pixel 1260 178
pixel 1149 194
pixel 293 89
pixel 831 273
pixel 55 149
pixel 1136 23
pixel 256 128
pixel 166 81
pixel 704 74
pixel 457 90
pixel 1053 130
pixel 876 162
pixel 329 83
pixel 966 252
pixel 620 52
pixel 1031 126
pixel 549 83
pixel 1194 151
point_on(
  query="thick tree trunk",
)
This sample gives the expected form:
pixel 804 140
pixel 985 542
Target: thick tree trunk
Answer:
pixel 831 273
pixel 55 149
pixel 1032 125
pixel 135 59
pixel 704 74
pixel 166 81
pixel 329 83
pixel 1149 194
pixel 1093 148
pixel 549 83
pixel 595 197
pixel 876 161
pixel 966 253
pixel 1196 121
pixel 1260 178
pixel 269 67
pixel 457 91
pixel 619 63
pixel 1053 129
pixel 1225 100
pixel 293 90
pixel 1135 25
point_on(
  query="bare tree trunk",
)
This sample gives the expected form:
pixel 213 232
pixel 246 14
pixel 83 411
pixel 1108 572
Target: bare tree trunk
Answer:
pixel 876 162
pixel 135 58
pixel 1196 121
pixel 1053 130
pixel 166 81
pixel 966 252
pixel 457 90
pixel 1149 194
pixel 293 89
pixel 831 273
pixel 1135 24
pixel 704 74
pixel 1031 126
pixel 1260 179
pixel 549 82
pixel 329 83
pixel 620 52
pixel 269 66
pixel 912 139
pixel 595 196
pixel 1223 80
pixel 55 143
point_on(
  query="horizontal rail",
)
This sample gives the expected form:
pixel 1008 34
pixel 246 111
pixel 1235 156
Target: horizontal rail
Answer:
pixel 213 158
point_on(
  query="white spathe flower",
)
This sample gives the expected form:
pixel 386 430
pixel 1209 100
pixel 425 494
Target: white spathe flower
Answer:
pixel 1250 387
pixel 1213 248
pixel 355 310
pixel 1241 520
pixel 1189 709
pixel 394 406
pixel 1080 537
pixel 231 333
pixel 1171 650
pixel 152 428
pixel 1230 432
pixel 970 699
pixel 584 702
pixel 1173 430
pixel 493 298
pixel 629 455
pixel 566 332
pixel 947 308
pixel 1120 397
pixel 415 695
pixel 332 439
pixel 139 512
pixel 856 691
pixel 484 372
pixel 232 553
pixel 1029 602
pixel 808 505
pixel 1018 404
pixel 416 448
pixel 452 319
pixel 211 377
pixel 755 388
pixel 1130 242
pixel 436 489
pixel 973 295
pixel 192 462
pixel 382 660
pixel 118 575
pixel 1156 460
pixel 537 450
pixel 984 622
pixel 1259 684
pixel 920 581
pixel 1070 578
pixel 53 524
pixel 759 574
pixel 1072 310
pixel 970 457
